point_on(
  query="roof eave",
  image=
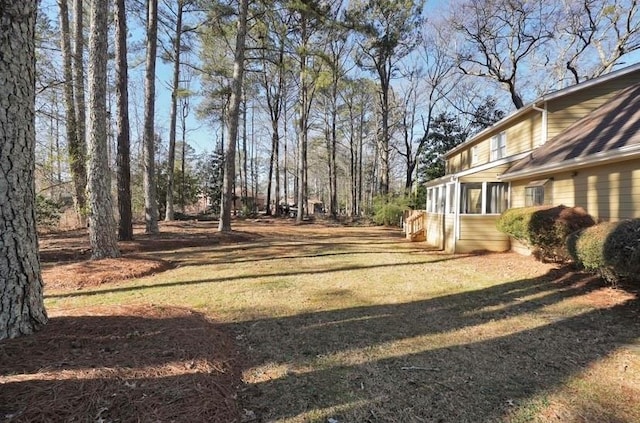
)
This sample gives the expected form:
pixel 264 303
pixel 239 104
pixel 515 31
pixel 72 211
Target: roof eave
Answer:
pixel 496 126
pixel 543 99
pixel 618 155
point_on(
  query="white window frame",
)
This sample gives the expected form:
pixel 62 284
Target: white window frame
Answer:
pixel 486 195
pixel 451 198
pixel 499 146
pixel 475 155
pixel 483 193
pixel 464 195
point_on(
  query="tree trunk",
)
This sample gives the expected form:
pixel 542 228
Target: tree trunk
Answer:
pixel 102 233
pixel 174 114
pixel 80 109
pixel 383 144
pixel 272 159
pixel 183 118
pixel 244 188
pixel 302 134
pixel 149 182
pixel 334 147
pixel 21 300
pixel 285 164
pixel 360 151
pixel 125 225
pixel 352 161
pixel 76 160
pixel 233 118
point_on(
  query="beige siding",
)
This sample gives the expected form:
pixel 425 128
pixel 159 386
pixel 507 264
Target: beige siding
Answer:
pixel 608 192
pixel 522 136
pixel 490 175
pixel 459 161
pixel 517 193
pixel 478 232
pixel 568 109
pixel 525 135
pixel 435 226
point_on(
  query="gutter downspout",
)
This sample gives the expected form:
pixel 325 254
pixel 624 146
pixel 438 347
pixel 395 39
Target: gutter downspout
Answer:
pixel 545 129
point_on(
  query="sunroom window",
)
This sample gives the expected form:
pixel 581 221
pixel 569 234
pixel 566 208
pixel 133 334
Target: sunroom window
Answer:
pixel 497 197
pixel 471 198
pixel 484 198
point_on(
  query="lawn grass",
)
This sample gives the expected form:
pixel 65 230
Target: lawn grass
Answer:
pixel 357 325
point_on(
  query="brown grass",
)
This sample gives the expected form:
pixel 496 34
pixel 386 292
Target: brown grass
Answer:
pixel 357 325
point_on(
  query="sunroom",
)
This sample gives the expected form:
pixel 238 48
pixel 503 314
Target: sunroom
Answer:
pixel 462 212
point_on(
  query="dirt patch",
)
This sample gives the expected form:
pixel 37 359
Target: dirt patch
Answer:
pixel 123 364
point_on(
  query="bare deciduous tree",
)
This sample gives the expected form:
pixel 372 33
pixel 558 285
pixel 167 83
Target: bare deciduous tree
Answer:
pixel 500 37
pixel 595 35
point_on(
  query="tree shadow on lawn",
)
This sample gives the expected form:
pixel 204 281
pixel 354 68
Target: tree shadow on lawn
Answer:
pixel 361 364
pixel 145 364
pixel 312 271
pixel 271 252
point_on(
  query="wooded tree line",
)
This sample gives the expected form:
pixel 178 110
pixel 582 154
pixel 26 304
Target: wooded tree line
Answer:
pixel 333 101
pixel 311 99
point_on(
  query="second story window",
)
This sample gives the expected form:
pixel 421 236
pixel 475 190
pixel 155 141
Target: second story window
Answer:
pixel 475 157
pixel 499 146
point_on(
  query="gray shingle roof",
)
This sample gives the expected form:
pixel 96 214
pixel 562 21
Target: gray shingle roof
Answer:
pixel 614 126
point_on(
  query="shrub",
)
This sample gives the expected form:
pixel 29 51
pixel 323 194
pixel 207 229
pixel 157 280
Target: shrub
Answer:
pixel 545 228
pixel 622 248
pixel 586 248
pixel 388 209
pixel 47 212
pixel 515 222
pixel 610 249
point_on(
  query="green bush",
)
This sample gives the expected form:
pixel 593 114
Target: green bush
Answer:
pixel 622 248
pixel 610 249
pixel 515 223
pixel 47 212
pixel 586 248
pixel 388 209
pixel 545 228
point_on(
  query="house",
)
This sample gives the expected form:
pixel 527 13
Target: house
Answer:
pixel 578 146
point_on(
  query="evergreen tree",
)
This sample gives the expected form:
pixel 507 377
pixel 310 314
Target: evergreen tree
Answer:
pixel 210 175
pixel 446 133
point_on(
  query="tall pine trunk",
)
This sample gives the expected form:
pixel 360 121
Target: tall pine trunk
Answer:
pixel 302 134
pixel 123 158
pixel 233 116
pixel 80 107
pixel 148 141
pixel 21 300
pixel 74 146
pixel 169 209
pixel 102 231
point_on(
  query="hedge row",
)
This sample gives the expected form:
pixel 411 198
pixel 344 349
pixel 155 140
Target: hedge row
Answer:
pixel 611 249
pixel 544 228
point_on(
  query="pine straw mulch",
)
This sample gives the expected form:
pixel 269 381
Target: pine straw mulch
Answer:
pixel 121 364
pixel 66 256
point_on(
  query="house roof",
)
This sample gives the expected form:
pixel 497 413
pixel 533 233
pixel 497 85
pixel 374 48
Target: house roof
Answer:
pixel 543 99
pixel 611 132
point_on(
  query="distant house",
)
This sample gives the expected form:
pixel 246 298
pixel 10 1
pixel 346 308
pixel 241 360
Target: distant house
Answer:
pixel 579 146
